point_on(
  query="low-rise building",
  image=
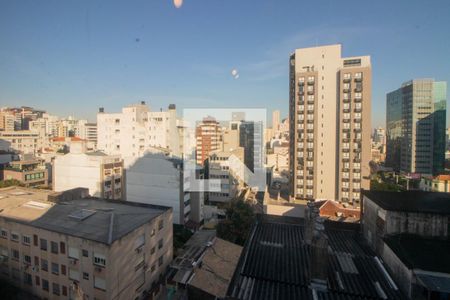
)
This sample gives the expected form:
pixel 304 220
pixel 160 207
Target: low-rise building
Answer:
pixel 410 231
pixel 439 183
pixel 30 172
pixel 24 141
pixel 83 248
pixel 100 173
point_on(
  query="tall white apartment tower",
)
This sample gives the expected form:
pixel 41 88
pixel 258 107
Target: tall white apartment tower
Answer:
pixel 330 126
pixel 136 129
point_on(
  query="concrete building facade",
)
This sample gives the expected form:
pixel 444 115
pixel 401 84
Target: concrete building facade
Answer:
pixel 82 248
pixel 329 114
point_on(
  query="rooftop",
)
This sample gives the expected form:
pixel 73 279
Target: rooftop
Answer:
pixel 412 201
pixel 217 268
pixel 102 221
pixel 421 253
pixel 275 264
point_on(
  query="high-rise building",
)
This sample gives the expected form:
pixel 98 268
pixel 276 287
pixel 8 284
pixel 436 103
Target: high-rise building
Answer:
pixel 275 120
pixel 329 113
pixel 137 129
pixel 251 138
pixel 208 136
pixel 379 135
pixel 416 117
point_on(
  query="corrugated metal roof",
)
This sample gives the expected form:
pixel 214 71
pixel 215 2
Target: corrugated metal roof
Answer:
pixel 275 264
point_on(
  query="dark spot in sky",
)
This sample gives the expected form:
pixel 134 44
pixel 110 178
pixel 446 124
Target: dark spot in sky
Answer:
pixel 138 40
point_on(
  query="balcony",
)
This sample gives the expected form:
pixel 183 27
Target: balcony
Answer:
pixel 310 130
pixel 357 190
pixel 310 148
pixel 357 140
pixel 357 150
pixel 358 90
pixel 346 90
pixel 301 83
pixel 310 177
pixel 357 130
pixel 310 121
pixel 345 140
pixel 310 158
pixel 357 110
pixel 310 92
pixel 346 130
pixel 356 170
pixel 310 81
pixel 345 170
pixel 301 92
pixel 345 179
pixel 356 180
pixel 310 168
pixel 358 100
pixel 310 140
pixel 345 189
pixel 346 120
pixel 301 102
pixel 346 110
pixel 358 120
pixel 345 159
pixel 346 100
pixel 309 111
pixel 357 160
pixel 346 150
pixel 310 101
pixel 358 79
pixel 309 187
pixel 347 80
pixel 344 199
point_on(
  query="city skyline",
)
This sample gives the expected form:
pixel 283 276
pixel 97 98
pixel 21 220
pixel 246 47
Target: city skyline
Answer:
pixel 79 58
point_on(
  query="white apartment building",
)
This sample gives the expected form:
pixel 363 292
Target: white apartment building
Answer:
pixel 156 178
pixel 100 173
pixel 329 113
pixel 64 246
pixel 230 180
pixel 23 141
pixel 136 129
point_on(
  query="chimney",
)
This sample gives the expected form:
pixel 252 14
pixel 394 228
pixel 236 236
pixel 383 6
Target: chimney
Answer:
pixel 101 110
pixel 316 238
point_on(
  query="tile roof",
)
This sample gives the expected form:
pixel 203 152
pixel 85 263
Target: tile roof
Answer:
pixel 275 264
pixel 411 201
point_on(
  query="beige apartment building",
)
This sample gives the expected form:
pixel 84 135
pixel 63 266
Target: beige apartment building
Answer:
pixel 60 246
pixel 329 113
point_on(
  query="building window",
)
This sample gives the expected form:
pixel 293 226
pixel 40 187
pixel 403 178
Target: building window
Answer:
pixel 55 288
pixel 63 269
pixel 74 275
pixel 27 279
pixel 14 236
pixel 37 280
pixel 153 268
pixel 64 290
pixel 85 276
pixel 43 244
pixel 160 260
pixel 74 253
pixel 54 247
pixel 35 240
pixel 160 243
pixel 160 224
pixel 15 254
pixel 4 234
pixel 152 233
pixel 26 240
pixel 85 253
pixel 99 259
pixel 44 265
pixel 27 259
pixel 62 247
pixel 152 251
pixel 45 285
pixel 99 283
pixel 55 268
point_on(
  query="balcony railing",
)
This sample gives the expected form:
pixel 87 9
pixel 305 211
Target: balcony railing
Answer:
pixel 346 100
pixel 358 100
pixel 347 80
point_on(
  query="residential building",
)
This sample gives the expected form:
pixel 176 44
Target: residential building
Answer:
pixel 62 246
pixel 251 139
pixel 157 178
pixel 6 121
pixel 30 172
pixel 379 135
pixel 279 158
pixel 230 136
pixel 208 136
pixel 439 183
pixel 88 132
pixel 292 258
pixel 415 122
pixel 136 129
pixel 329 113
pixel 226 169
pixel 410 231
pixel 23 141
pixel 100 173
pixel 18 118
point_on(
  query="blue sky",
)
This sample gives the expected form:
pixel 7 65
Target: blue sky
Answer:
pixel 70 57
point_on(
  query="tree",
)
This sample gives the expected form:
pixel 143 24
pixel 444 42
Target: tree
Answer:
pixel 10 182
pixel 238 222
